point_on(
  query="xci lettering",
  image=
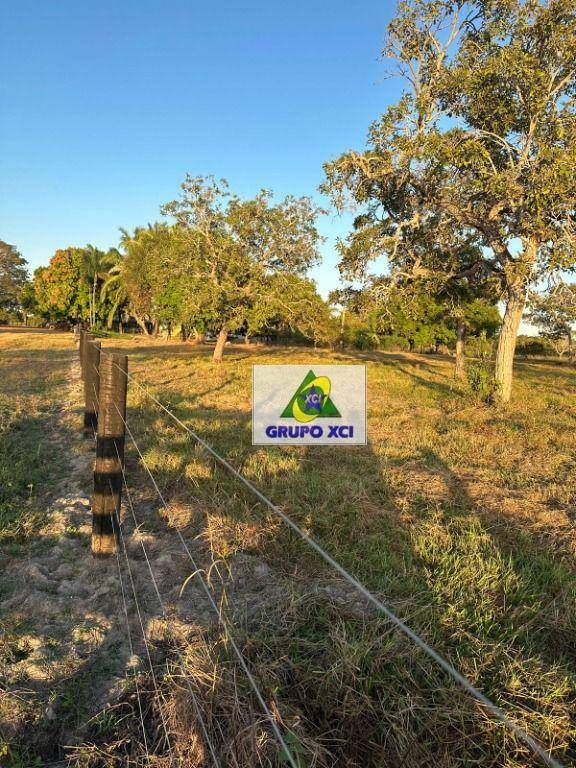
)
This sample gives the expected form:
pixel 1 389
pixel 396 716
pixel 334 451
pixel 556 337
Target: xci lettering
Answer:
pixel 343 430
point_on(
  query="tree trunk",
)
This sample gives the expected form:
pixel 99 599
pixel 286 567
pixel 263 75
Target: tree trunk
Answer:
pixel 220 344
pixel 507 342
pixel 94 285
pixel 460 363
pixel 142 324
pixel 156 328
pixel 198 337
pixel 570 348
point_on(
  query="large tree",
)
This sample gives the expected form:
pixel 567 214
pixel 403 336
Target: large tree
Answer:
pixel 13 278
pixel 61 293
pixel 481 145
pixel 71 286
pixel 245 257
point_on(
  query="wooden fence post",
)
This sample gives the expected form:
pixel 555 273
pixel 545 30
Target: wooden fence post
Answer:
pixel 85 340
pixel 81 353
pixel 91 385
pixel 109 454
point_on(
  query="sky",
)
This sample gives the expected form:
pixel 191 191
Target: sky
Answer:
pixel 108 105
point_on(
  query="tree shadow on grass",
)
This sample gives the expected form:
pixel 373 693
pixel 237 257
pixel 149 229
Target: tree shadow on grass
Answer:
pixel 486 596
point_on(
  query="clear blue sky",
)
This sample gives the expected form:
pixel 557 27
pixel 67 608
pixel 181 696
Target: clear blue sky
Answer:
pixel 107 105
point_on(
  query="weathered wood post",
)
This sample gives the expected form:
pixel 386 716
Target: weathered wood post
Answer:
pixel 81 353
pixel 91 385
pixel 109 454
pixel 85 340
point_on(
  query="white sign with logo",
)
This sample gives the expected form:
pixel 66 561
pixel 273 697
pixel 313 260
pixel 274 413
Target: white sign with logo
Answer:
pixel 309 404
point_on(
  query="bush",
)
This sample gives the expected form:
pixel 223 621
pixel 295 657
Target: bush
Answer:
pixel 394 344
pixel 528 346
pixel 479 346
pixel 481 380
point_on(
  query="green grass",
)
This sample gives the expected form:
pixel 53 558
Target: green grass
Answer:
pixel 32 387
pixel 458 514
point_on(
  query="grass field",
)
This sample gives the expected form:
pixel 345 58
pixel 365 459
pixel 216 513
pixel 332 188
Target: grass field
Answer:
pixel 459 515
pixel 33 378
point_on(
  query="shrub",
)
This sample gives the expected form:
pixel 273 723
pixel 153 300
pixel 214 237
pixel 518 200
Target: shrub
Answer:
pixel 534 346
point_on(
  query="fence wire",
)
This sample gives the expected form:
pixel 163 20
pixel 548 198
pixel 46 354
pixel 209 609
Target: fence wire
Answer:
pixel 143 631
pixel 497 712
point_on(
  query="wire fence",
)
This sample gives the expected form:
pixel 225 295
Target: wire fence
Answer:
pixel 496 712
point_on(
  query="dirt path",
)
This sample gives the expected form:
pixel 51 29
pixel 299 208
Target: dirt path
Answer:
pixel 72 659
pixel 74 654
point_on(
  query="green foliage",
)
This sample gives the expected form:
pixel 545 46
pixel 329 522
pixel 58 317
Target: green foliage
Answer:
pixel 479 373
pixel 554 313
pixel 481 380
pixel 155 275
pixel 94 267
pixel 480 346
pixel 394 315
pixel 13 280
pixel 61 294
pixel 531 346
pixel 243 262
pixel 471 176
pixel 71 287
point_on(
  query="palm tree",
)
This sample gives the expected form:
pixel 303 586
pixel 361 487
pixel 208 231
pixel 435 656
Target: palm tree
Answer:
pixel 114 288
pixel 95 267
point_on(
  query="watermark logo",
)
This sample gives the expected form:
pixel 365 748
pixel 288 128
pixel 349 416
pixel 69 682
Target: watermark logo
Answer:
pixel 311 400
pixel 298 405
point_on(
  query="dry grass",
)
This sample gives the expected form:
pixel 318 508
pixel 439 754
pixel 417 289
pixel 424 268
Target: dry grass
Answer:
pixel 460 516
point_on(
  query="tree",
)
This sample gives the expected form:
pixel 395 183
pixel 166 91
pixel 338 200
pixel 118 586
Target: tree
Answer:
pixel 61 292
pixel 28 301
pixel 13 278
pixel 482 145
pixel 410 312
pixel 479 317
pixel 94 267
pixel 71 287
pixel 294 306
pixel 554 313
pixel 154 275
pixel 406 312
pixel 245 257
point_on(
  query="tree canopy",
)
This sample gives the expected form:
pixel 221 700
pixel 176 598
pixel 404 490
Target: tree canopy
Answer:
pixel 554 313
pixel 245 260
pixel 472 174
pixel 13 278
pixel 70 287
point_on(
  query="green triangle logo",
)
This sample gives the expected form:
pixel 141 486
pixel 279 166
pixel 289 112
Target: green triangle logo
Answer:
pixel 311 400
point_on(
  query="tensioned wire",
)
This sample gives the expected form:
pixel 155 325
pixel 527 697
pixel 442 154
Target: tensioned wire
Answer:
pixel 221 620
pixel 497 712
pixel 165 613
pixel 131 646
pixel 128 630
pixel 137 606
pixel 121 537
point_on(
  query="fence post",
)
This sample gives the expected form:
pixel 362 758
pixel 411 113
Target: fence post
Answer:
pixel 91 385
pixel 109 454
pixel 85 339
pixel 81 353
